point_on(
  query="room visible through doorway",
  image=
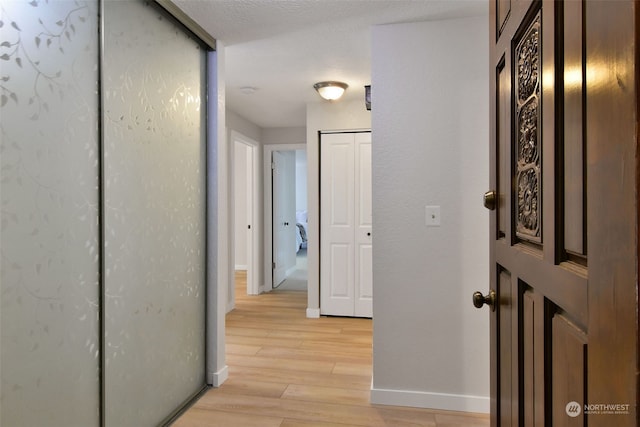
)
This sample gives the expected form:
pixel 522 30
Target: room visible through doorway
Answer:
pixel 290 219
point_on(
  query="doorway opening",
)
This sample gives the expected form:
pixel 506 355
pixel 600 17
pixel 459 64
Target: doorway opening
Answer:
pixel 286 213
pixel 245 214
pixel 296 276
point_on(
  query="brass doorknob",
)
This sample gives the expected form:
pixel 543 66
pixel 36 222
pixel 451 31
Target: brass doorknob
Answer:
pixel 479 300
pixel 490 199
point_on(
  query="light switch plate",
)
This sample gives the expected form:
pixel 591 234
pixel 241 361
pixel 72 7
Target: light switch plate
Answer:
pixel 432 216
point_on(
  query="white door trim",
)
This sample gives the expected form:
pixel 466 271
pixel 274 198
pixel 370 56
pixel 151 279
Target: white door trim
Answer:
pixel 268 217
pixel 253 202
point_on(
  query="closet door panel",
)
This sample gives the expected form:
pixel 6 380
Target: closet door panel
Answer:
pixel 49 238
pixel 154 215
pixel 363 302
pixel 336 225
pixel 363 282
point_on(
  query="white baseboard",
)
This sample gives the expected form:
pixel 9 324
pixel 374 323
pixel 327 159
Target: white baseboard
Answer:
pixel 229 308
pixel 217 378
pixel 421 399
pixel 242 267
pixel 313 313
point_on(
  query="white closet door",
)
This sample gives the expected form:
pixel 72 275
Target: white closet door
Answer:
pixel 345 221
pixel 363 290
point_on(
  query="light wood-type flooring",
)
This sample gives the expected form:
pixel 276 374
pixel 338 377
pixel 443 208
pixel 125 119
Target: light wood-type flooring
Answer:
pixel 286 370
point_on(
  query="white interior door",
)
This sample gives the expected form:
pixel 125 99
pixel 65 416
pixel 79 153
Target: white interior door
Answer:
pixel 244 212
pixel 345 224
pixel 284 222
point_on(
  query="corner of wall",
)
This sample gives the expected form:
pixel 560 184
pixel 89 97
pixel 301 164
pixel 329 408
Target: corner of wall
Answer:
pixel 430 127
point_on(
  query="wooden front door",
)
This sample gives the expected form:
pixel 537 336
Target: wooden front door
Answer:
pixel 563 303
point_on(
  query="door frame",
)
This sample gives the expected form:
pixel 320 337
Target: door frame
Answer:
pixel 253 202
pixel 268 206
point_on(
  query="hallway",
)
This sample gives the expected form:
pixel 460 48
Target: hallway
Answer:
pixel 286 370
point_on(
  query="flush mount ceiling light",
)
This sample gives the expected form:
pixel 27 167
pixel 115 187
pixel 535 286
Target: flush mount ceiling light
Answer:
pixel 330 90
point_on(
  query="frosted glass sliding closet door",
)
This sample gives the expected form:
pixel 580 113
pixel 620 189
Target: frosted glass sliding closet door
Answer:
pixel 102 191
pixel 49 238
pixel 154 86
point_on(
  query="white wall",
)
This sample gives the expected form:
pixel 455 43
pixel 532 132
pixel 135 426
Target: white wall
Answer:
pixel 243 126
pixel 245 132
pixel 339 115
pixel 240 187
pixel 301 180
pixel 291 135
pixel 430 147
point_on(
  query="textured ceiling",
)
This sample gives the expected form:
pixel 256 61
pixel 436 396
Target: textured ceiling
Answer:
pixel 282 47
